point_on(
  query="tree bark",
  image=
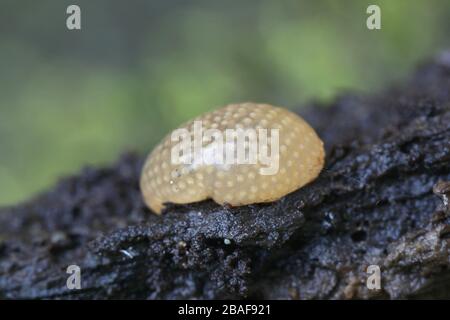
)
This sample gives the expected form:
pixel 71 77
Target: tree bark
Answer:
pixel 372 205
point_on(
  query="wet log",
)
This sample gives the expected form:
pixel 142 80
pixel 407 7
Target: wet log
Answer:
pixel 372 205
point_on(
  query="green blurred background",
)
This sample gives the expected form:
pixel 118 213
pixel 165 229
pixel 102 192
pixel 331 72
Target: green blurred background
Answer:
pixel 139 68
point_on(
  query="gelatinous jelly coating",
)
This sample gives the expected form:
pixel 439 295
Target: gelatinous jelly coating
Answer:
pixel 300 160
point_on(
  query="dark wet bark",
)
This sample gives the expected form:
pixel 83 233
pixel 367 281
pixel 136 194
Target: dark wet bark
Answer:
pixel 373 204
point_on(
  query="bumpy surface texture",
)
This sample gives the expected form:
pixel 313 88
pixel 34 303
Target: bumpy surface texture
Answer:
pixel 374 204
pixel 299 158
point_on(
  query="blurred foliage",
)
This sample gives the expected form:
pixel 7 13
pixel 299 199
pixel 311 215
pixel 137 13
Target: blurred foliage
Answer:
pixel 138 69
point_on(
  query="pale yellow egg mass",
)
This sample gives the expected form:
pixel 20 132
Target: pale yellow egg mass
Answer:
pixel 296 158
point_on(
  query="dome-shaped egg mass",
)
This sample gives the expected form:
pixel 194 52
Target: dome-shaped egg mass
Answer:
pixel 237 155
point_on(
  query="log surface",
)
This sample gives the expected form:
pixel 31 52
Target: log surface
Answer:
pixel 373 204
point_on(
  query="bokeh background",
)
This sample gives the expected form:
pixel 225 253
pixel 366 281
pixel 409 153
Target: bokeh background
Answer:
pixel 139 68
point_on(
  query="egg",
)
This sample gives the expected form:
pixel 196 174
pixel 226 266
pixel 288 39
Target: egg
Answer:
pixel 239 154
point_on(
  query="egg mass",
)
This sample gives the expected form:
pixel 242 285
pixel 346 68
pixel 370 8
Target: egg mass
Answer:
pixel 238 154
